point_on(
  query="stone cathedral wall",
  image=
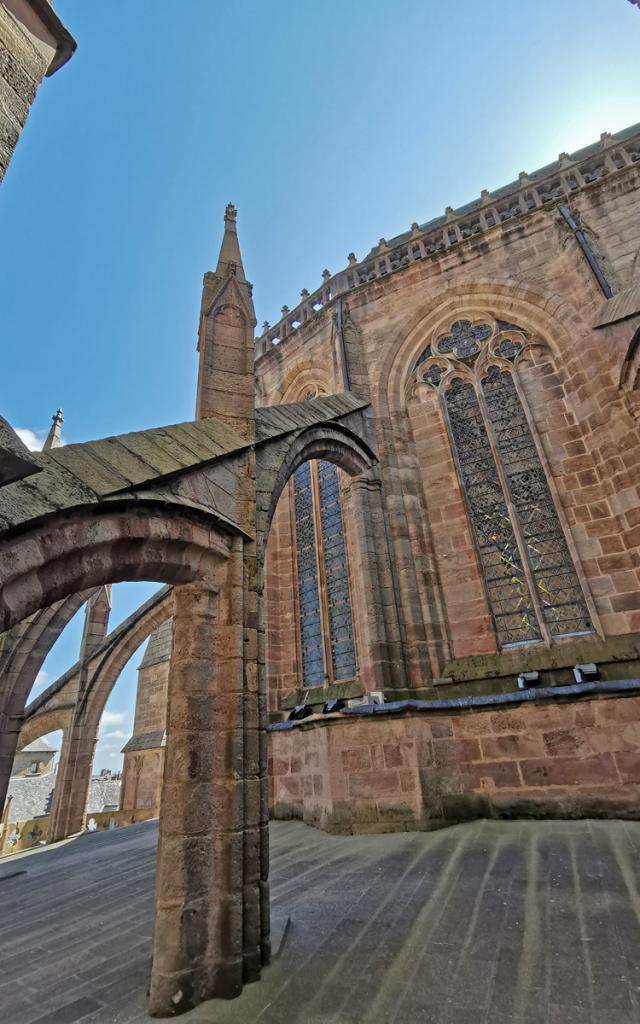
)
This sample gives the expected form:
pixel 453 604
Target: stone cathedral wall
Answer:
pixel 457 740
pixel 421 766
pixel 580 401
pixel 412 771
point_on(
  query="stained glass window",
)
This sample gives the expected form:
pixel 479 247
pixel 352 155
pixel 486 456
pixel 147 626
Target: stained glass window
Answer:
pixel 308 590
pixel 336 574
pixel 564 608
pixel 531 581
pixel 318 517
pixel 504 575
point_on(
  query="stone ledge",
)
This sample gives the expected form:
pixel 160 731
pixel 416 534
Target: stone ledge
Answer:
pixel 562 654
pixel 577 691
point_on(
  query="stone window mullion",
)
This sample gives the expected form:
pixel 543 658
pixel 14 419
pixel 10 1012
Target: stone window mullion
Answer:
pixel 517 530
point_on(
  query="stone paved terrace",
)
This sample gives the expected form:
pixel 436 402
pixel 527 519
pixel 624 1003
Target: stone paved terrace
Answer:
pixel 486 923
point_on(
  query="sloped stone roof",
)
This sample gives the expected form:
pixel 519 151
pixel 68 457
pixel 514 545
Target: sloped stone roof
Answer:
pixel 85 474
pixel 145 741
pixel 158 647
pixel 275 420
pixel 16 461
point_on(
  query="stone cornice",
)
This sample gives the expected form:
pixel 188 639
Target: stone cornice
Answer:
pixel 568 176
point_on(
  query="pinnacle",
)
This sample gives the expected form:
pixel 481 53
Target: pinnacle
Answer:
pixel 54 437
pixel 230 258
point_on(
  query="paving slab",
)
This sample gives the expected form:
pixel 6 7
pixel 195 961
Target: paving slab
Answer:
pixel 485 923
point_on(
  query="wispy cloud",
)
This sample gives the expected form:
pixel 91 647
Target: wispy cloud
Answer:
pixel 34 439
pixel 111 718
pixel 116 734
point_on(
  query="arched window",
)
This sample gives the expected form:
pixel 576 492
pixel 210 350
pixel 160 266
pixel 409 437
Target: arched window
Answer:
pixel 530 579
pixel 324 601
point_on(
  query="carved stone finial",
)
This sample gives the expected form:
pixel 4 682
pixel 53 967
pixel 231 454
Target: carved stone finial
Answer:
pixel 524 178
pixel 485 197
pixel 382 245
pixel 304 294
pixel 265 326
pixel 415 228
pixel 230 212
pixel 284 310
pixel 449 212
pixel 326 274
pixel 605 137
pixel 352 259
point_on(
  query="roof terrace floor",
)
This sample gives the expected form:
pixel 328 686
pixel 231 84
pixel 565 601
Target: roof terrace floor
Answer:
pixel 486 923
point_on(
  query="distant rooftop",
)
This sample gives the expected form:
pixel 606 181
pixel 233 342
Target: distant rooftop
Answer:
pixel 40 746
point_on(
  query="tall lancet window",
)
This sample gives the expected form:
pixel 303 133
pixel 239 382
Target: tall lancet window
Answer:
pixel 532 586
pixel 324 600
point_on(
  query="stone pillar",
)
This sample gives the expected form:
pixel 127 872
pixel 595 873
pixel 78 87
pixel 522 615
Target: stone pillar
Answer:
pixel 381 664
pixel 73 780
pixel 11 716
pixel 198 947
pixel 256 851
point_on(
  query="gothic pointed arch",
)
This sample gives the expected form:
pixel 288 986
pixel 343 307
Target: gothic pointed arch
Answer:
pixel 469 368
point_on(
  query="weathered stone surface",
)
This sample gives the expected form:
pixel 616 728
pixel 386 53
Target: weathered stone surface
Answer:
pixel 469 925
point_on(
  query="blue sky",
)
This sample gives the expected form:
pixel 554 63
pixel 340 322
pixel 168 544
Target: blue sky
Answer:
pixel 328 124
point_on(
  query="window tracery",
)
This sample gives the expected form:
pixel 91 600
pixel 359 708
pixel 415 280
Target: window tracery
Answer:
pixel 530 578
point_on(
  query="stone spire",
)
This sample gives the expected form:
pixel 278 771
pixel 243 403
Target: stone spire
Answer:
pixel 96 621
pixel 229 263
pixel 230 258
pixel 54 437
pixel 226 379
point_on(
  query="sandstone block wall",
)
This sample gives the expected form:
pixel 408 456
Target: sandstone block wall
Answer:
pixel 387 773
pixel 579 395
pixel 23 63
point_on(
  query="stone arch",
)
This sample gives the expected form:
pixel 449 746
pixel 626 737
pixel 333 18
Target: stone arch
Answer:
pixel 48 721
pixel 543 317
pixel 88 547
pixel 105 676
pixel 547 317
pixel 25 648
pixel 305 378
pixel 334 443
pixel 144 621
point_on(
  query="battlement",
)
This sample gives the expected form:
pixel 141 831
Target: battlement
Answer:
pixel 569 174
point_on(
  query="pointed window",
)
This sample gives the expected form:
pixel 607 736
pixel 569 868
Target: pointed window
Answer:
pixel 532 586
pixel 324 600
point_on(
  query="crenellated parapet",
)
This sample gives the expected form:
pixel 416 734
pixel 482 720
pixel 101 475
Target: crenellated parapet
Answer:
pixel 568 175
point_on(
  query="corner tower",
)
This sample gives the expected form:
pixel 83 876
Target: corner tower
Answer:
pixel 226 379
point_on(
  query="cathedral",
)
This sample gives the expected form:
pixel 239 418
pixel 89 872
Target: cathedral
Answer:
pixel 397 548
pixel 492 553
